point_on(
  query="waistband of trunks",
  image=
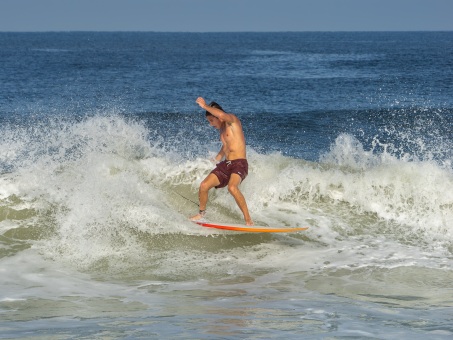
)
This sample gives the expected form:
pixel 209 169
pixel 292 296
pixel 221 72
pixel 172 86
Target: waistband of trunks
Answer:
pixel 229 162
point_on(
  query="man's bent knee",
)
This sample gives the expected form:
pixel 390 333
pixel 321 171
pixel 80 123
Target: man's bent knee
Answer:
pixel 208 183
pixel 233 189
pixel 204 186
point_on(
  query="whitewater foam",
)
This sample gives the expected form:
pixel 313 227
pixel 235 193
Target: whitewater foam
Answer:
pixel 105 193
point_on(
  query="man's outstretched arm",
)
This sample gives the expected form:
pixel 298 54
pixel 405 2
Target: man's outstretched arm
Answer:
pixel 223 116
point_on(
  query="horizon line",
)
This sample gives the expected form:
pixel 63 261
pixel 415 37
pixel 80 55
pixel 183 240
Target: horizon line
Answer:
pixel 272 31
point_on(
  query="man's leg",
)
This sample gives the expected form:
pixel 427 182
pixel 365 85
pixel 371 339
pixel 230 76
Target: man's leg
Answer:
pixel 208 183
pixel 233 188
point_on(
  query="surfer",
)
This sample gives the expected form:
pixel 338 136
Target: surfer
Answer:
pixel 234 168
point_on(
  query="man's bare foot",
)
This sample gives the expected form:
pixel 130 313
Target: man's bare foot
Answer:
pixel 198 216
pixel 249 223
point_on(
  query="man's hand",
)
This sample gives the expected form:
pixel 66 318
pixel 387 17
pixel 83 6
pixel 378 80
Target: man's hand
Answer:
pixel 201 102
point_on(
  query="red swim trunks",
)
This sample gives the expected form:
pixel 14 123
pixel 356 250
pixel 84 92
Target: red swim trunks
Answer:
pixel 224 170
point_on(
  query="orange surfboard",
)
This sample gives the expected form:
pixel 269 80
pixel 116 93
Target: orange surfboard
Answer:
pixel 249 229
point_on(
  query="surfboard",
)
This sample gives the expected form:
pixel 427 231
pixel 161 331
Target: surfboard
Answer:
pixel 248 229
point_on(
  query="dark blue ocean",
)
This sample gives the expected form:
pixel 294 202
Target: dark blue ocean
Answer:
pixel 102 149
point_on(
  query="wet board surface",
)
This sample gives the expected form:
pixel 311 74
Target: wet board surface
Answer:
pixel 249 229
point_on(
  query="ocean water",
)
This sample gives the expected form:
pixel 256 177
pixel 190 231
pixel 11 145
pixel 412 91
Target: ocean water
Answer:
pixel 102 149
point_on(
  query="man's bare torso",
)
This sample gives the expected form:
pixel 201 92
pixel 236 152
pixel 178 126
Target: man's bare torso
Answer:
pixel 233 140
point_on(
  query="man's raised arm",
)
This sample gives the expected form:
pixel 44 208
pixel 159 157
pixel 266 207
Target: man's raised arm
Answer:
pixel 223 116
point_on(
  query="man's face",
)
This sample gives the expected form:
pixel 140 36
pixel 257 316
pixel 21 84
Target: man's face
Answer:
pixel 214 121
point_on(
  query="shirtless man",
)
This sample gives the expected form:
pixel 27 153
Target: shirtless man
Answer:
pixel 233 170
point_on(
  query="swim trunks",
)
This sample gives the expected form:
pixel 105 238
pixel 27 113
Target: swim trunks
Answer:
pixel 225 169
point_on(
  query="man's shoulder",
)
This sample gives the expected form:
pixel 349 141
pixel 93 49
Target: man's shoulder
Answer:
pixel 234 118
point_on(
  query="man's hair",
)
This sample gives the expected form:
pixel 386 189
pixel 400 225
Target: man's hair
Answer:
pixel 213 104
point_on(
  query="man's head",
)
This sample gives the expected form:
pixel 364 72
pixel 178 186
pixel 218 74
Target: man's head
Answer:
pixel 213 104
pixel 213 120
